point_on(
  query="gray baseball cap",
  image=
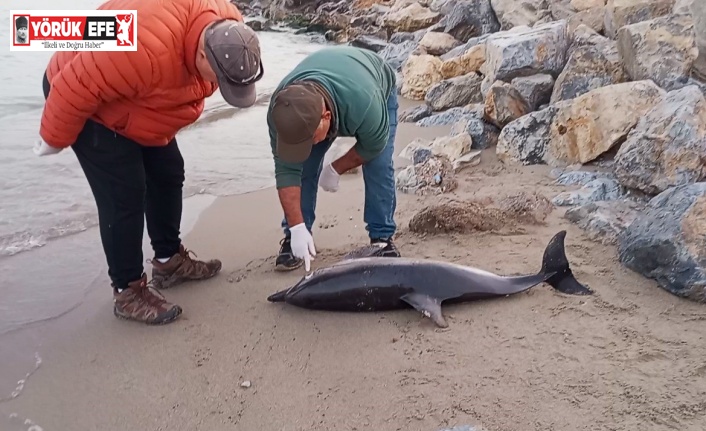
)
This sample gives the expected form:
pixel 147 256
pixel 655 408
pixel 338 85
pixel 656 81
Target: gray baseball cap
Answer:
pixel 233 51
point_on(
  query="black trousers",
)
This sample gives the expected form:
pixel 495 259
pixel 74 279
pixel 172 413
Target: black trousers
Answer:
pixel 131 182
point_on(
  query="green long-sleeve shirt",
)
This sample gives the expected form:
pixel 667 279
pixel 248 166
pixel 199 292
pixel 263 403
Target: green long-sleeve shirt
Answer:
pixel 359 82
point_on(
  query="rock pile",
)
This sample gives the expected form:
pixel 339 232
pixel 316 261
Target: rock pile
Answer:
pixel 566 83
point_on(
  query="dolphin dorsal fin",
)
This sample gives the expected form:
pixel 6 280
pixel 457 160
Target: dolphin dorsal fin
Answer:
pixel 428 306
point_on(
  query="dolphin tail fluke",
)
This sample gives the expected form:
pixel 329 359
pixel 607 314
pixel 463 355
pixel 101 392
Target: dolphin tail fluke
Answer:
pixel 555 261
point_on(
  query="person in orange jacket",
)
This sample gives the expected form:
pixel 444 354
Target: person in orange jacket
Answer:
pixel 120 112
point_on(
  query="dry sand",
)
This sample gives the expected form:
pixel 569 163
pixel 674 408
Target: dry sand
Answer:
pixel 631 357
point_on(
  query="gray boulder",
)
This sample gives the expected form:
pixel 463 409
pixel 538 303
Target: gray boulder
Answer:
pixel 454 92
pixel 599 189
pixel 698 14
pixel 513 13
pixel 372 43
pixel 415 114
pixel 535 89
pixel 471 18
pixel 462 49
pixel 593 62
pixel 576 178
pixel 503 104
pixel 396 54
pixel 591 18
pixel 620 13
pixel 604 221
pixel 526 51
pixel 662 49
pixel 526 139
pixel 451 116
pixel 483 134
pixel 667 147
pixel 666 242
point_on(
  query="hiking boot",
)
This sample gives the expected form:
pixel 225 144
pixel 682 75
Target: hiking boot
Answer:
pixel 286 260
pixel 142 303
pixel 181 267
pixel 389 250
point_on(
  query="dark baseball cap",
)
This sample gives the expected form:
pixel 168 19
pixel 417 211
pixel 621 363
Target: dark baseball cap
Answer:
pixel 296 113
pixel 233 51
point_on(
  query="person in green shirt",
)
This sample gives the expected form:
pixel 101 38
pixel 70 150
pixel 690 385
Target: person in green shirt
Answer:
pixel 336 91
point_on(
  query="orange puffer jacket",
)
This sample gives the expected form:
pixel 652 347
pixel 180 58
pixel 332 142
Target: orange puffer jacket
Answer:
pixel 147 95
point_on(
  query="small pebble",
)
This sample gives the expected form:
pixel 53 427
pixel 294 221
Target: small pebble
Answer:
pixel 246 384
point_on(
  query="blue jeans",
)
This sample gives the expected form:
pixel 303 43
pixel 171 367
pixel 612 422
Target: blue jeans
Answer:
pixel 379 178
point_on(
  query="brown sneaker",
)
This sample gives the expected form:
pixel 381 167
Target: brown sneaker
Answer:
pixel 142 303
pixel 181 267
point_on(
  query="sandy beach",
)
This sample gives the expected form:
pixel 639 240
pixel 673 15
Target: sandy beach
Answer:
pixel 629 357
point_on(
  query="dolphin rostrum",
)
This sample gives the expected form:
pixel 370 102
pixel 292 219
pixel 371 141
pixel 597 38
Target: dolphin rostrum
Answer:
pixel 379 283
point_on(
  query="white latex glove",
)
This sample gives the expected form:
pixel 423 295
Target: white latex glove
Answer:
pixel 328 180
pixel 41 148
pixel 302 244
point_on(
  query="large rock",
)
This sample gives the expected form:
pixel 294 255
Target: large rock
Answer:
pixel 438 43
pixel 453 147
pixel 668 146
pixel 468 62
pixel 472 42
pixel 513 13
pixel 682 6
pixel 561 9
pixel 452 116
pixel 402 4
pixel 280 9
pixel 453 92
pixel 525 140
pixel 580 5
pixel 604 221
pixel 405 36
pixel 441 6
pixel 411 18
pixel 396 54
pixel 470 18
pixel 419 73
pixel 620 13
pixel 593 123
pixel 584 35
pixel 483 134
pixel 504 104
pixel 592 18
pixel 662 49
pixel 415 114
pixel 601 189
pixel 578 130
pixel 593 63
pixel 526 51
pixel 371 43
pixel 535 89
pixel 667 242
pixel 698 14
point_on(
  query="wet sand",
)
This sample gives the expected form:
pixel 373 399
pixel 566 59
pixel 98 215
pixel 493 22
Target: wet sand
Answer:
pixel 628 358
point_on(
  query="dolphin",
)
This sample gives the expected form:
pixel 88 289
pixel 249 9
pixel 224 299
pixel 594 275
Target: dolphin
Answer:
pixel 365 282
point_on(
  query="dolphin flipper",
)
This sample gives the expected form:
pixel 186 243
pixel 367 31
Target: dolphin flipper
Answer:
pixel 428 306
